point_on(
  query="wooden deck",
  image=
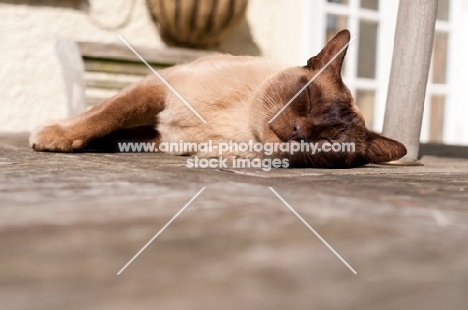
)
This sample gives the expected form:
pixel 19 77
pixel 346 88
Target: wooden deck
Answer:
pixel 70 222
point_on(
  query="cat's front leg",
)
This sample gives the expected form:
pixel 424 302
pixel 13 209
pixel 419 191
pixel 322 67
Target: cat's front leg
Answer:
pixel 137 105
pixel 57 136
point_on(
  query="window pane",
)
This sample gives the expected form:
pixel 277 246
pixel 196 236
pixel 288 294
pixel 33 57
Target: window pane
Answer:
pixel 443 9
pixel 370 4
pixel 367 49
pixel 439 62
pixel 339 1
pixel 365 103
pixel 436 125
pixel 335 23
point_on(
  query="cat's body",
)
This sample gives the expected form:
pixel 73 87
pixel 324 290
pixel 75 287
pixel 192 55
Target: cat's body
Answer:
pixel 224 90
pixel 237 97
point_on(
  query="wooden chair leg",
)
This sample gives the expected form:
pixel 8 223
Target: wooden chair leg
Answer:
pixel 414 39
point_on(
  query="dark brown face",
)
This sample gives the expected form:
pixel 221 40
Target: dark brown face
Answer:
pixel 324 116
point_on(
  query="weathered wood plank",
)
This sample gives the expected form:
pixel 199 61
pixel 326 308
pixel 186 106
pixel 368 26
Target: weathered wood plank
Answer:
pixel 69 222
pixel 78 57
pixel 117 67
pixel 168 56
pixel 108 84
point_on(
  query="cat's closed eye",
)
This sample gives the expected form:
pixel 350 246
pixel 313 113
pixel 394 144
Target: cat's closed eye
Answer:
pixel 309 102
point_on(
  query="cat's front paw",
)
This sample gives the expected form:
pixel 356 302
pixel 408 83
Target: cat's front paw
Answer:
pixel 55 137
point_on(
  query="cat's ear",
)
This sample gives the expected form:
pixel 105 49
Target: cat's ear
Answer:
pixel 380 149
pixel 330 50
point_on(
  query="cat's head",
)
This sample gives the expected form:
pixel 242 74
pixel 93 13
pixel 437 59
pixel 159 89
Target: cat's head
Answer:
pixel 324 113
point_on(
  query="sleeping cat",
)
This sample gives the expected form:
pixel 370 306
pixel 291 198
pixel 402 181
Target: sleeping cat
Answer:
pixel 237 96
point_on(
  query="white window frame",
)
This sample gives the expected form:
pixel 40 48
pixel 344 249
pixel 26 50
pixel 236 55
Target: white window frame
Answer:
pixel 455 129
pixel 438 89
pixel 315 19
pixel 456 104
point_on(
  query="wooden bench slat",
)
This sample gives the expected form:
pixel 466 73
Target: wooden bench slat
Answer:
pixel 107 84
pixel 168 56
pixel 97 60
pixel 117 68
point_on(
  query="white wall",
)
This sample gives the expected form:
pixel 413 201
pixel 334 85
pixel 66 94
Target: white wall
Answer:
pixel 31 85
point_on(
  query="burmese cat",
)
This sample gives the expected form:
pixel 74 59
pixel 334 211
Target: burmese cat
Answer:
pixel 237 96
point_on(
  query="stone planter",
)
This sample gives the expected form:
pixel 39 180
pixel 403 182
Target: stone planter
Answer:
pixel 197 23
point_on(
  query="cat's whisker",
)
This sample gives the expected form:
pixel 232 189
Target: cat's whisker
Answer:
pixel 275 86
pixel 268 99
pixel 269 104
pixel 310 158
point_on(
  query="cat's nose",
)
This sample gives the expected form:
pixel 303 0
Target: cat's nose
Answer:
pixel 297 134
